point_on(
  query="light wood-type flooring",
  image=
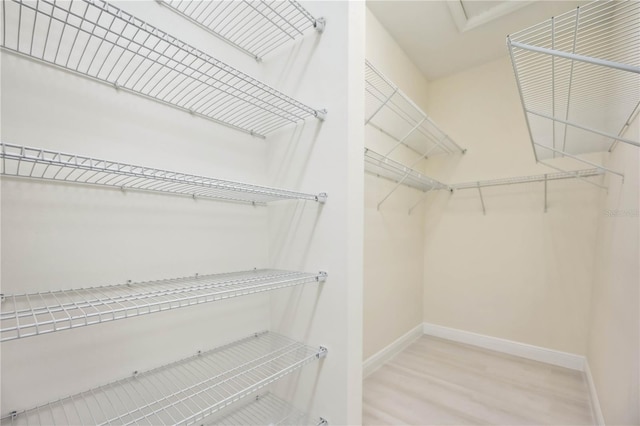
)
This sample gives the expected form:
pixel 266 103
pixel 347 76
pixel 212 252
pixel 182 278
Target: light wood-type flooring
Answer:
pixel 439 382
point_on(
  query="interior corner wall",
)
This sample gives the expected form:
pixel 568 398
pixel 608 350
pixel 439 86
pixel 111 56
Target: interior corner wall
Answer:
pixel 306 236
pixel 614 334
pixel 517 272
pixel 393 239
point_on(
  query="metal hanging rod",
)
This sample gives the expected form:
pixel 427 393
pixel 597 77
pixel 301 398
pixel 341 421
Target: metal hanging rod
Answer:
pixel 264 409
pixel 181 393
pixel 392 112
pixel 528 179
pixel 32 314
pixel 254 27
pixel 28 162
pixel 578 75
pixel 560 175
pixel 97 40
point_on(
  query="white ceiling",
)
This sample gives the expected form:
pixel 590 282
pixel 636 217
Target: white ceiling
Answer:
pixel 439 45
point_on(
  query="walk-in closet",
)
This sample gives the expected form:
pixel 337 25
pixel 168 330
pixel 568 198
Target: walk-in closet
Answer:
pixel 261 212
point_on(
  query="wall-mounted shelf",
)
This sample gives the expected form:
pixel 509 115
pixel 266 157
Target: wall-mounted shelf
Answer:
pixel 265 409
pixel 384 167
pixel 36 163
pixel 25 315
pixel 578 77
pixel 184 392
pixel 255 27
pixel 392 112
pixel 576 174
pixel 97 40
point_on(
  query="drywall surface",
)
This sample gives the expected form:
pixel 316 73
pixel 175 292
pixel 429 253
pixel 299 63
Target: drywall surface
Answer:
pixel 614 336
pixel 319 157
pixel 517 272
pixel 393 239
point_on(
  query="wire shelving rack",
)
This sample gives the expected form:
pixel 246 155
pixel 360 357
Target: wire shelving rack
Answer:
pixel 391 111
pixel 184 392
pixel 35 163
pixel 384 167
pixel 578 77
pixel 254 27
pixel 265 409
pixel 545 178
pixel 95 39
pixel 32 314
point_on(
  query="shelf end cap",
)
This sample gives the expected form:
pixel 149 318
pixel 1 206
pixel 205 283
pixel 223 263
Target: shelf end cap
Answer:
pixel 320 24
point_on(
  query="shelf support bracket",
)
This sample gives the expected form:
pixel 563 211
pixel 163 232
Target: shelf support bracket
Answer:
pixel 322 422
pixel 582 160
pixel 320 24
pixel 401 141
pixel 322 276
pixel 585 128
pixel 424 197
pixel 484 211
pixel 381 106
pixel 393 190
pixel 322 353
pixel 322 197
pixel 577 176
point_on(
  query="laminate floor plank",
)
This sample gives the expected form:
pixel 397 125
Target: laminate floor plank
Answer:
pixel 439 382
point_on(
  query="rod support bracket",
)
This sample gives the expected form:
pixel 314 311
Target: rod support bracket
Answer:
pixel 322 276
pixel 14 414
pixel 322 197
pixel 320 24
pixel 321 114
pixel 322 353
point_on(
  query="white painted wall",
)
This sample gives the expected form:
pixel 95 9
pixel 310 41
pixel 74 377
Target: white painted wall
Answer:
pixel 393 239
pixel 517 273
pixel 63 236
pixel 613 349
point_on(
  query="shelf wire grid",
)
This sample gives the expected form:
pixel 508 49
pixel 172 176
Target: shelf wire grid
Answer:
pixel 392 112
pixel 384 167
pixel 264 409
pixel 578 77
pixel 32 314
pixel 255 27
pixel 577 174
pixel 36 163
pixel 183 392
pixel 95 39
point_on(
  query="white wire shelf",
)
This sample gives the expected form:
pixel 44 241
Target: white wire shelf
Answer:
pixel 183 392
pixel 578 77
pixel 384 167
pixel 392 112
pixel 95 39
pixel 32 314
pixel 264 409
pixel 582 175
pixel 255 27
pixel 35 163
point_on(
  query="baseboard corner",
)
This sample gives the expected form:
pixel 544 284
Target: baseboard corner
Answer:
pixel 381 357
pixel 595 402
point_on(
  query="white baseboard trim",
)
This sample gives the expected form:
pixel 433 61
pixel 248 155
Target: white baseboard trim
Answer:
pixel 536 353
pixel 381 357
pixel 595 402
